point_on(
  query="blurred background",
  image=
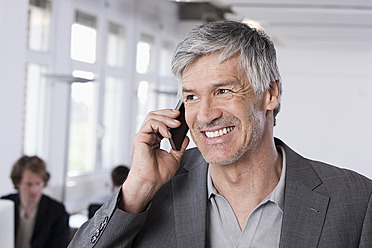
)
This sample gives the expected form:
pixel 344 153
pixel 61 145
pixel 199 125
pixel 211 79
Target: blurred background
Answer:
pixel 78 77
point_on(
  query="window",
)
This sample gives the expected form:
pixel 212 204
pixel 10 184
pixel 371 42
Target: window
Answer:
pixel 39 25
pixel 115 45
pixel 167 96
pixel 146 101
pixel 35 109
pixel 111 122
pixel 83 125
pixel 35 115
pixel 144 54
pixel 84 38
pixel 166 54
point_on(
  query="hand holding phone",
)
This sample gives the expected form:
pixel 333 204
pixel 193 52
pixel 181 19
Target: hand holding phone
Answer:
pixel 179 133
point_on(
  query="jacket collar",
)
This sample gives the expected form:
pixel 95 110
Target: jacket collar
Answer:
pixel 304 209
pixel 190 200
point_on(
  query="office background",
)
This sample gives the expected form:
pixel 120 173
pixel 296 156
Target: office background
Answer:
pixel 78 76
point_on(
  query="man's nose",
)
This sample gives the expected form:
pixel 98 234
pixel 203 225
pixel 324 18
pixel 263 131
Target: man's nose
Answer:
pixel 208 111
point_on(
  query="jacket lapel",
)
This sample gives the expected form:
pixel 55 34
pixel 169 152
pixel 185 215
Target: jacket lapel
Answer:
pixel 304 209
pixel 40 217
pixel 190 203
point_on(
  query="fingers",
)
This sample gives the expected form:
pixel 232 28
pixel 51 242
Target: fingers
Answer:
pixel 155 126
pixel 185 143
pixel 151 167
pixel 160 121
pixel 178 154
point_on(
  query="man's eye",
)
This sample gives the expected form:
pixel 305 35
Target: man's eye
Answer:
pixel 223 91
pixel 191 97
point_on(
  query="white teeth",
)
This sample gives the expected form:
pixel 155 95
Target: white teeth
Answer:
pixel 218 133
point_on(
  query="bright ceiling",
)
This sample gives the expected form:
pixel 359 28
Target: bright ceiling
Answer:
pixel 293 22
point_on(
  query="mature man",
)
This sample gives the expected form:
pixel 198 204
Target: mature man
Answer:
pixel 240 187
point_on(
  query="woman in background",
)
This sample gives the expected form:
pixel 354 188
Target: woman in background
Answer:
pixel 39 220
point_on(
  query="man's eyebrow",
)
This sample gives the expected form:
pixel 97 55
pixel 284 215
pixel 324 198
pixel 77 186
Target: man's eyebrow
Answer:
pixel 215 85
pixel 186 90
pixel 224 84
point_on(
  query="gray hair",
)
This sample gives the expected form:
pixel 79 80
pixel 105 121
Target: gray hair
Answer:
pixel 229 38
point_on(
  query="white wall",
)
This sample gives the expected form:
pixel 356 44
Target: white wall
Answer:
pixel 12 44
pixel 326 105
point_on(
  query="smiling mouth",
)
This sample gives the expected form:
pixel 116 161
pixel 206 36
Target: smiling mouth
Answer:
pixel 219 133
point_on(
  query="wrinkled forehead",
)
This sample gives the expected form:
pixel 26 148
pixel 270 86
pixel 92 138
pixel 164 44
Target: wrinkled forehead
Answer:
pixel 211 67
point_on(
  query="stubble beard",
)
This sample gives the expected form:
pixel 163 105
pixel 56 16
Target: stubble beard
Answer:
pixel 256 135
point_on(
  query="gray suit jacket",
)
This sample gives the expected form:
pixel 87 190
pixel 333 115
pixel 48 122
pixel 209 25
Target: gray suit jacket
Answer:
pixel 324 206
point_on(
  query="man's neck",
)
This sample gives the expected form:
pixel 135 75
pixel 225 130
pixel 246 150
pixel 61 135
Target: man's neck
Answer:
pixel 247 182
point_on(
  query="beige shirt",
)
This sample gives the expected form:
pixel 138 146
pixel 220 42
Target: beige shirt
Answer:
pixel 263 225
pixel 25 229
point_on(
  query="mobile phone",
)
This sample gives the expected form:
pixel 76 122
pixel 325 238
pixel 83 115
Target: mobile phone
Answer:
pixel 179 133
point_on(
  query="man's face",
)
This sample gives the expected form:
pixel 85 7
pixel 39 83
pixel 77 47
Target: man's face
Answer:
pixel 225 117
pixel 31 187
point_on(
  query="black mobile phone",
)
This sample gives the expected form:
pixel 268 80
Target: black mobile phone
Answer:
pixel 179 133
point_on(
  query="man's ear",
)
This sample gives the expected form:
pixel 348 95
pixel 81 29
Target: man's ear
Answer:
pixel 272 96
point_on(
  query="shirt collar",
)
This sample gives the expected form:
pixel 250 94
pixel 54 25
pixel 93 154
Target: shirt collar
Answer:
pixel 22 212
pixel 276 196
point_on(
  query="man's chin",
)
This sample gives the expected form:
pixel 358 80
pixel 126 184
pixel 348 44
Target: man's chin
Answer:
pixel 216 156
pixel 220 159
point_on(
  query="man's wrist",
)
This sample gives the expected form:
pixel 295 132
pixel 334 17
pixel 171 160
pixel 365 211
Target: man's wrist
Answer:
pixel 135 197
